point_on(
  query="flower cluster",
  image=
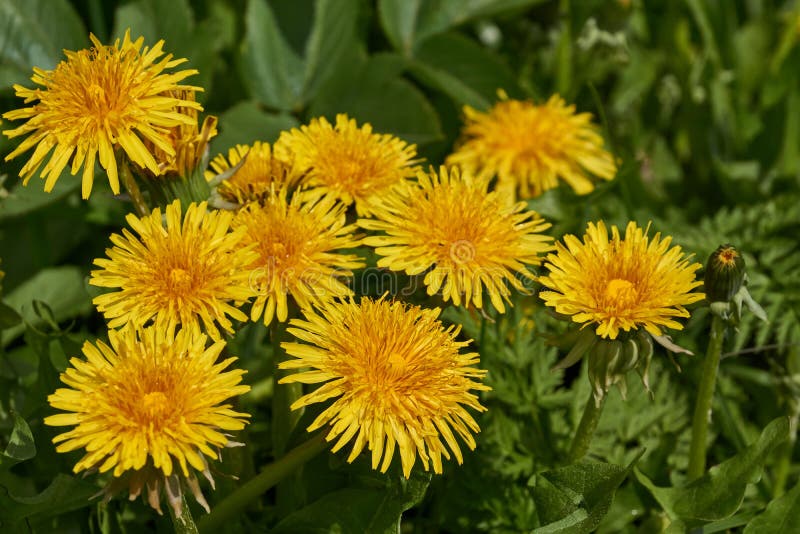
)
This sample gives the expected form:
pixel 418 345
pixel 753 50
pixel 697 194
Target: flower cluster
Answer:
pixel 274 234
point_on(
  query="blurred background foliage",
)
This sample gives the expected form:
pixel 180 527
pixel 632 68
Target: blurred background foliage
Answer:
pixel 698 99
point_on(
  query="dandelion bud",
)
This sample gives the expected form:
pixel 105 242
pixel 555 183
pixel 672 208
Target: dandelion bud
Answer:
pixel 724 273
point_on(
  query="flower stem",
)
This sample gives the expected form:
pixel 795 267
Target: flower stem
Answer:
pixel 132 187
pixel 273 473
pixel 185 523
pixel 586 428
pixel 702 408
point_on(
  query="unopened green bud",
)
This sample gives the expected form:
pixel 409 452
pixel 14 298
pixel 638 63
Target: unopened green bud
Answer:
pixel 724 274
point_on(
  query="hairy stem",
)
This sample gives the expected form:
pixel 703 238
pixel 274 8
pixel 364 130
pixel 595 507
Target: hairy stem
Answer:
pixel 586 428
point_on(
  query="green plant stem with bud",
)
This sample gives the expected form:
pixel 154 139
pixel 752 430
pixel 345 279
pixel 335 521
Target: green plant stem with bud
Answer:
pixel 250 491
pixel 705 395
pixel 586 427
pixel 185 523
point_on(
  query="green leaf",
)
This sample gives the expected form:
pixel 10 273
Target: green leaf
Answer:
pixel 332 34
pixel 781 516
pixel 23 199
pixel 245 123
pixel 20 445
pixel 364 95
pixel 64 494
pixel 35 33
pixel 174 22
pixel 719 493
pixel 273 72
pixel 8 316
pixel 467 72
pixel 373 510
pixel 575 498
pixel 62 288
pixel 409 22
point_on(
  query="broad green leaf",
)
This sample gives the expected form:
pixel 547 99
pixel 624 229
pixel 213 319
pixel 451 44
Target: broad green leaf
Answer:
pixel 376 93
pixel 8 316
pixel 719 493
pixel 24 199
pixel 574 499
pixel 332 34
pixel 62 288
pixel 64 494
pixel 20 445
pixel 373 510
pixel 174 22
pixel 782 515
pixel 272 72
pixel 409 22
pixel 247 122
pixel 464 70
pixel 34 34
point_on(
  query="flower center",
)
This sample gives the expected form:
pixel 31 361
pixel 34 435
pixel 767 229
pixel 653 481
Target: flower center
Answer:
pixel 728 257
pixel 621 293
pixel 155 406
pixel 180 280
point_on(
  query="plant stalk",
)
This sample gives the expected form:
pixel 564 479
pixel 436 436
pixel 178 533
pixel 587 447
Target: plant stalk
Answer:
pixel 705 395
pixel 236 502
pixel 586 427
pixel 185 523
pixel 133 188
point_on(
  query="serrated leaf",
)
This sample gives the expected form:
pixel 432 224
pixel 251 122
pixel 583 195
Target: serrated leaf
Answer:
pixel 35 33
pixel 357 509
pixel 20 446
pixel 574 499
pixel 465 71
pixel 782 515
pixel 64 494
pixel 247 122
pixel 272 72
pixel 719 493
pixel 61 288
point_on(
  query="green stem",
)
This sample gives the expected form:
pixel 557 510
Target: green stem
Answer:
pixel 702 408
pixel 586 428
pixel 284 418
pixel 237 501
pixel 185 523
pixel 132 187
pixel 564 52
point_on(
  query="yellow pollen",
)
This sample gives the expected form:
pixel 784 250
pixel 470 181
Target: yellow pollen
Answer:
pixel 155 406
pixel 180 280
pixel 621 292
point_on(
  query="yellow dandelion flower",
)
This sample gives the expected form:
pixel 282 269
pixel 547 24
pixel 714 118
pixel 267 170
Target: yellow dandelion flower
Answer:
pixel 620 283
pixel 97 101
pixel 297 243
pixel 261 173
pixel 398 378
pixel 187 141
pixel 464 238
pixel 529 147
pixel 346 162
pixel 185 272
pixel 149 408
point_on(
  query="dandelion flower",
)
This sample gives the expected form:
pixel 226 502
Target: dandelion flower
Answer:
pixel 95 102
pixel 529 147
pixel 620 283
pixel 464 238
pixel 398 377
pixel 149 409
pixel 346 162
pixel 185 272
pixel 261 173
pixel 297 243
